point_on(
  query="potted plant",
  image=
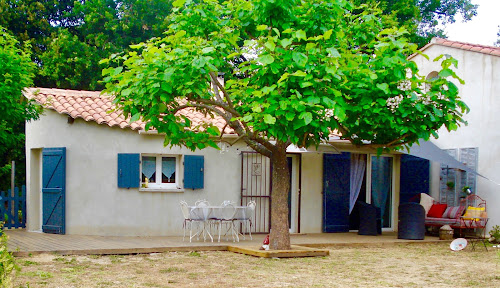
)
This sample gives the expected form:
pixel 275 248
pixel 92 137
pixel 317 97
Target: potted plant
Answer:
pixel 465 191
pixel 450 185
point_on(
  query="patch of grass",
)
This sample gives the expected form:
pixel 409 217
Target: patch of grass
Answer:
pixel 194 254
pixel 105 284
pixel 29 263
pixel 116 258
pixel 172 270
pixel 38 273
pixel 193 275
pixel 95 256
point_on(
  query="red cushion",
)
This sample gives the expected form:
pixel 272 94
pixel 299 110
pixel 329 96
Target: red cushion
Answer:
pixel 437 210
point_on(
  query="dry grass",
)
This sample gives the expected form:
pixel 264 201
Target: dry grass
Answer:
pixel 425 265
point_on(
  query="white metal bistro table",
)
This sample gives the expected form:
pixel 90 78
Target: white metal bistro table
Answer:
pixel 209 214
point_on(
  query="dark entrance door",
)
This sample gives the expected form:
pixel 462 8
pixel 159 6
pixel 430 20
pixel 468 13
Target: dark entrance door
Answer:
pixel 54 190
pixel 414 177
pixel 336 173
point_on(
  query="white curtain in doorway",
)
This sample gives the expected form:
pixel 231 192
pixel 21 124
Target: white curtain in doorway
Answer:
pixel 358 166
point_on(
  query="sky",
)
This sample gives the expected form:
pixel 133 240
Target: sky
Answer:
pixel 482 29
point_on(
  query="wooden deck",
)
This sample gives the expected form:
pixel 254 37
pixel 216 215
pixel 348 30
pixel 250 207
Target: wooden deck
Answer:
pixel 23 243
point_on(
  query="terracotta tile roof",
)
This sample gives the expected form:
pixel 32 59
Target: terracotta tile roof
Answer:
pixel 94 106
pixel 491 50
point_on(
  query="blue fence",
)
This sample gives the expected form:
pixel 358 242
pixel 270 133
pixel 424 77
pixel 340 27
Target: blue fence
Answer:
pixel 13 208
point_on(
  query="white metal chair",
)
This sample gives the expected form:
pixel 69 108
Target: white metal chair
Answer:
pixel 201 202
pixel 187 219
pixel 226 217
pixel 245 218
pixel 202 213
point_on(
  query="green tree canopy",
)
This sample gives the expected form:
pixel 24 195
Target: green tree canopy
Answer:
pixel 16 73
pixel 295 71
pixel 70 37
pixel 424 19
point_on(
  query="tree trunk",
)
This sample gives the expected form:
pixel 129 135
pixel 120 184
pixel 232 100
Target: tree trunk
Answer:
pixel 280 233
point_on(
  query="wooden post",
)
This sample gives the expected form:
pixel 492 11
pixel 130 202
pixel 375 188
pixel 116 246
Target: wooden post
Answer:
pixel 12 190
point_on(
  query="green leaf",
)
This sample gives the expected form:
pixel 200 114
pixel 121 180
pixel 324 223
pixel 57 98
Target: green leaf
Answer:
pixel 331 69
pixel 270 45
pixel 136 117
pixel 328 34
pixel 283 77
pixel 178 3
pixel 269 119
pixel 180 34
pixel 446 73
pixel 286 42
pixel 301 34
pixel 213 130
pixel 333 52
pixel 307 116
pixel 299 58
pixel 199 62
pixel 117 71
pixel 381 101
pixel 384 87
pixel 256 109
pixel 306 84
pixel 299 73
pixel 340 113
pixel 136 46
pixel 266 59
pixel 261 27
pixel 207 50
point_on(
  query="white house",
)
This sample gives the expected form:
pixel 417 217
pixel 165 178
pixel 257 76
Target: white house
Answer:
pixel 87 166
pixel 478 143
pixel 84 167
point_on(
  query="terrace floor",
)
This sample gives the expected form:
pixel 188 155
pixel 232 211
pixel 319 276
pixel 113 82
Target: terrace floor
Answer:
pixel 23 243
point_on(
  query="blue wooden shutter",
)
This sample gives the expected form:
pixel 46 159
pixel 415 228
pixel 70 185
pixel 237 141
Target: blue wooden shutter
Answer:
pixel 336 181
pixel 414 178
pixel 128 170
pixel 193 171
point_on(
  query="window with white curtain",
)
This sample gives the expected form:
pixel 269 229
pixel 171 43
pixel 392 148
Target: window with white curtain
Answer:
pixel 160 171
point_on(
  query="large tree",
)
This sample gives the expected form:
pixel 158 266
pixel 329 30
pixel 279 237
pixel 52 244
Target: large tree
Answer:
pixel 70 37
pixel 16 73
pixel 295 71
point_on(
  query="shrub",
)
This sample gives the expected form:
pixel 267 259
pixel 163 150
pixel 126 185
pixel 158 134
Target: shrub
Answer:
pixel 7 261
pixel 495 234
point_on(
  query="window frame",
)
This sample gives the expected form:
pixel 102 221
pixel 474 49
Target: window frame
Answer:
pixel 158 185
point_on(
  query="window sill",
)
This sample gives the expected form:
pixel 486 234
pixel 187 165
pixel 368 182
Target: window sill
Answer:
pixel 167 190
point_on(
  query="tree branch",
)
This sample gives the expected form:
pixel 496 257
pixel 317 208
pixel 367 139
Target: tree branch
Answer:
pixel 224 92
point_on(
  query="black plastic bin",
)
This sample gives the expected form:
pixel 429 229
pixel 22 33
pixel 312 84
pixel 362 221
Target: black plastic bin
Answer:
pixel 411 223
pixel 369 219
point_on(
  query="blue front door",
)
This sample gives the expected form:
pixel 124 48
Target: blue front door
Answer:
pixel 54 190
pixel 336 173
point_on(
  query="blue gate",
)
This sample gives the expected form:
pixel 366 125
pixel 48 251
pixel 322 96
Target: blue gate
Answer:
pixel 13 208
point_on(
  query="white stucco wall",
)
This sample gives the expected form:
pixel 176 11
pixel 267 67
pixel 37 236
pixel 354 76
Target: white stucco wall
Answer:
pixel 481 92
pixel 96 206
pixel 94 203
